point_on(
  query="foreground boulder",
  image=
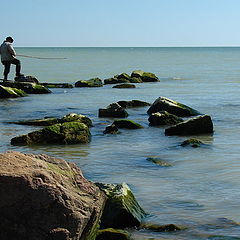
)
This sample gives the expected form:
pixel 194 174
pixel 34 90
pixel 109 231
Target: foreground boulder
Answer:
pixel 72 117
pixel 126 123
pixel 198 125
pixel 121 209
pixel 114 110
pixel 163 118
pixel 65 133
pixel 45 198
pixel 94 82
pixel 133 103
pixel 171 106
pixel 145 76
pixel 8 92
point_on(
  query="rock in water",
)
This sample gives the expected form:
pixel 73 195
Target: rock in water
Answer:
pixel 133 103
pixel 44 197
pixel 124 85
pixel 144 76
pixel 94 82
pixel 173 107
pixel 163 118
pixel 8 92
pixel 65 133
pixel 198 125
pixel 121 209
pixel 113 234
pixel 114 110
pixel 125 123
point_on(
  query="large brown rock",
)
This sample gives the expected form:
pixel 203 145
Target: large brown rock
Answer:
pixel 45 198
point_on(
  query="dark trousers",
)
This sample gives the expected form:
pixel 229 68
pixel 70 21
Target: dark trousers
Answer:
pixel 7 65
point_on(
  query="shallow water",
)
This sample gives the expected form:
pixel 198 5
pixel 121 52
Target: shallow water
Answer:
pixel 201 190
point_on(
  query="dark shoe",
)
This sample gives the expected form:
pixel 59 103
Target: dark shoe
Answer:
pixel 20 75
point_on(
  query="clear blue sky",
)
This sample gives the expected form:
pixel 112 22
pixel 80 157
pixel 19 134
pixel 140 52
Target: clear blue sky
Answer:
pixel 111 23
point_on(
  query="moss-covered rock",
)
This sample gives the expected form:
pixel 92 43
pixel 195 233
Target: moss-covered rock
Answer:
pixel 9 92
pixel 94 82
pixel 198 125
pixel 65 133
pixel 192 142
pixel 161 228
pixel 163 118
pixel 113 110
pixel 124 85
pixel 171 106
pixel 122 76
pixel 121 209
pixel 25 79
pixel 159 162
pixel 115 80
pixel 145 76
pixel 135 80
pixel 112 234
pixel 133 103
pixel 48 121
pixel 126 123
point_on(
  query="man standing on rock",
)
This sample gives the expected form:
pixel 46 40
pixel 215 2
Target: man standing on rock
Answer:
pixel 8 57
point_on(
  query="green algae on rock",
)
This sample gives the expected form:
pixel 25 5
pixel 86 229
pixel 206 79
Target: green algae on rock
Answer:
pixel 145 76
pixel 48 121
pixel 122 209
pixel 161 228
pixel 113 234
pixel 65 133
pixel 93 82
pixel 171 106
pixel 126 123
pixel 9 92
pixel 113 110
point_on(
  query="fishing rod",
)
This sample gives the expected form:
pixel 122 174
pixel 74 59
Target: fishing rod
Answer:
pixel 40 57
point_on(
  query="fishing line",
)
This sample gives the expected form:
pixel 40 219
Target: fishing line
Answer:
pixel 40 57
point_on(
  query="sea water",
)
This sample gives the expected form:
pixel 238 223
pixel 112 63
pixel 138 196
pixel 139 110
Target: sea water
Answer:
pixel 201 189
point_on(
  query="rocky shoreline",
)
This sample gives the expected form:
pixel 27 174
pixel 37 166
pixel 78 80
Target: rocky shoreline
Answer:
pixel 39 190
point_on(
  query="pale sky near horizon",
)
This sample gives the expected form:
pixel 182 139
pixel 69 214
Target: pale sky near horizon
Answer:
pixel 109 23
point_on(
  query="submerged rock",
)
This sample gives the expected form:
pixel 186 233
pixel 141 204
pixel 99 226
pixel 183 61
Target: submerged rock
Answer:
pixel 9 92
pixel 124 85
pixel 65 133
pixel 159 162
pixel 57 85
pixel 50 121
pixel 133 103
pixel 171 106
pixel 46 198
pixel 163 118
pixel 114 110
pixel 145 76
pixel 112 234
pixel 192 142
pixel 125 123
pixel 161 228
pixel 94 82
pixel 121 209
pixel 198 125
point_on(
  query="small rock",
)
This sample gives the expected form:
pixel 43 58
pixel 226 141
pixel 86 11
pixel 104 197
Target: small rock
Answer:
pixel 115 81
pixel 161 228
pixel 125 123
pixel 124 85
pixel 159 162
pixel 112 129
pixel 192 142
pixel 198 125
pixel 145 76
pixel 122 76
pixel 114 110
pixel 94 82
pixel 163 118
pixel 133 103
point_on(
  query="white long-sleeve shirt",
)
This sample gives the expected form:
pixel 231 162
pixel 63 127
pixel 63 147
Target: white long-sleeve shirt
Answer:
pixel 7 51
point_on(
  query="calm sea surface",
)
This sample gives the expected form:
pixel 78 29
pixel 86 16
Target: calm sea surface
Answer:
pixel 201 190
